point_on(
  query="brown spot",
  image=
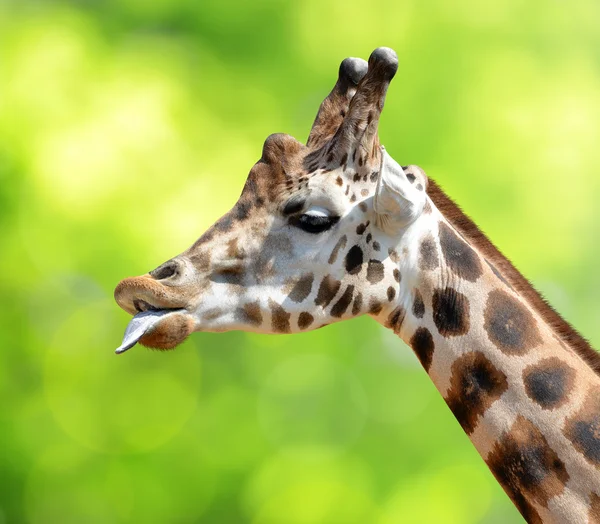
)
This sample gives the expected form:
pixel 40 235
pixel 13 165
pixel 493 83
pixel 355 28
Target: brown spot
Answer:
pixel 393 255
pixel 467 228
pixel 375 271
pixel 250 313
pixel 397 275
pixel 422 344
pixel 451 312
pixel 475 384
pixel 168 334
pixel 305 319
pixel 280 318
pixel 201 260
pixel 339 181
pixel 418 307
pixel 594 512
pixel 374 176
pixel 234 275
pixel 583 428
pixel 428 259
pixel 549 382
pixel 356 177
pixel 375 306
pixel 354 260
pixel 527 468
pixel 369 237
pixel 341 244
pixel 342 304
pixel 509 324
pixel 353 198
pixel 242 209
pixel 391 293
pixel 302 288
pixel 364 192
pixel 327 290
pixel 363 207
pixel 361 228
pixel 427 208
pixel 224 223
pixel 357 305
pixel 396 318
pixel 212 314
pixel 233 250
pixel 347 190
pixel 459 256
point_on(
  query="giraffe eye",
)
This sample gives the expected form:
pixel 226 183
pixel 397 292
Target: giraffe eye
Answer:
pixel 315 220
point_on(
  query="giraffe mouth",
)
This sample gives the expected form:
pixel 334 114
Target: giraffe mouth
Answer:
pixel 142 323
pixel 139 294
pixel 157 328
pixel 160 317
pixel 142 306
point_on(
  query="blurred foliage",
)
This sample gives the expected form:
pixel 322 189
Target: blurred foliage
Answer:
pixel 128 126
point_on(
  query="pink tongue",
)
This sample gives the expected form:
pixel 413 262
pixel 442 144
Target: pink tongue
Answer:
pixel 138 326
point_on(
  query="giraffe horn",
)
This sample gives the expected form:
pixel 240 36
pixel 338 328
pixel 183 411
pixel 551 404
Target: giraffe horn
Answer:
pixel 359 128
pixel 335 106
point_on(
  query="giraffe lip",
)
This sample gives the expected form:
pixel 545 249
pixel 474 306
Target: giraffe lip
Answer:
pixel 138 294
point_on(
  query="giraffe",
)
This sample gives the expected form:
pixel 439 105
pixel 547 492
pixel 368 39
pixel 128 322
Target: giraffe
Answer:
pixel 335 229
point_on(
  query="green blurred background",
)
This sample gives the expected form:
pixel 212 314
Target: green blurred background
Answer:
pixel 128 126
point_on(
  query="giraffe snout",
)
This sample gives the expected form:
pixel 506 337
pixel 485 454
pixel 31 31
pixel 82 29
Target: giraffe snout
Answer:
pixel 144 293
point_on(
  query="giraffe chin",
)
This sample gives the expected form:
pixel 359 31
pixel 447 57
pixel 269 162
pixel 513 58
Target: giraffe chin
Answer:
pixel 171 331
pixel 158 329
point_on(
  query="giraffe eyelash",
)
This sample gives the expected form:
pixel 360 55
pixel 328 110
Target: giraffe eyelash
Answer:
pixel 314 224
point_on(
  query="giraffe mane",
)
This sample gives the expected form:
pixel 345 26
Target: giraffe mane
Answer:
pixel 471 232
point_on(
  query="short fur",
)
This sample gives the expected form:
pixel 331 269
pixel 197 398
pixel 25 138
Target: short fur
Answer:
pixel 469 230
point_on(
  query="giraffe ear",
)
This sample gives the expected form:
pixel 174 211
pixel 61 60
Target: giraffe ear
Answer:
pixel 400 196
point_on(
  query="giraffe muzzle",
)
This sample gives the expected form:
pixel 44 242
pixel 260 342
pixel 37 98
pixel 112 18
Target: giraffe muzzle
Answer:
pixel 139 325
pixel 137 294
pixel 160 320
pixel 158 329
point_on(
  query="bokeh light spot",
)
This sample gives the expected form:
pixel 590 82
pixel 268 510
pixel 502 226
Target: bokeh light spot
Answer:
pixel 300 403
pixel 116 404
pixel 310 486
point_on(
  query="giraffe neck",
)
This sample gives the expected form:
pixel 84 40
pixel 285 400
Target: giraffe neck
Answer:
pixel 528 401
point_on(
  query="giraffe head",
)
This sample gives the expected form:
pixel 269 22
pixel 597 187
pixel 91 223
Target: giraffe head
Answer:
pixel 310 240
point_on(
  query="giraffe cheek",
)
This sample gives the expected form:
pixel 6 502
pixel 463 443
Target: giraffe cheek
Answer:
pixel 171 332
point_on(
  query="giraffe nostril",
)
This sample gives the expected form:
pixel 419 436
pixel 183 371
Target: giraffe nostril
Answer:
pixel 167 270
